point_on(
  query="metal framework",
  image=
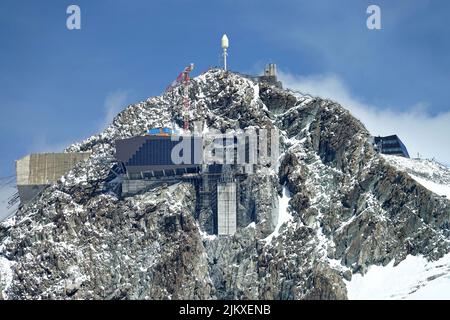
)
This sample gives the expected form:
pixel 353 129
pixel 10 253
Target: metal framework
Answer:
pixel 184 80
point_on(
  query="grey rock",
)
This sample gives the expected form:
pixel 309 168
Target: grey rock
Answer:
pixel 79 240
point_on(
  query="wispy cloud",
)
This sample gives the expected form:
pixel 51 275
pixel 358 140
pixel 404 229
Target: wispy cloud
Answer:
pixel 42 143
pixel 422 132
pixel 114 103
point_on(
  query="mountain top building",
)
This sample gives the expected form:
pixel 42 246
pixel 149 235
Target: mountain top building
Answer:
pixel 269 76
pixel 148 161
pixel 390 145
pixel 35 172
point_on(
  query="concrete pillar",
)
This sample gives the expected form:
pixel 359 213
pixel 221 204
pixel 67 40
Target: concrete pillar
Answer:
pixel 226 208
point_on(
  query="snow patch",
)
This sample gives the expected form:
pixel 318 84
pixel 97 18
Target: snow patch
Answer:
pixel 283 214
pixel 439 189
pixel 252 225
pixel 6 274
pixel 206 236
pixel 429 173
pixel 413 278
pixel 76 278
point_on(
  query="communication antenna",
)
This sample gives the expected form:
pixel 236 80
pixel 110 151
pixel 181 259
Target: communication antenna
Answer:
pixel 225 45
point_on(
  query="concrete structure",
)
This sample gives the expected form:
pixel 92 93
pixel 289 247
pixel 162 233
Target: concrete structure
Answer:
pixel 148 162
pixel 269 76
pixel 131 187
pixel 215 165
pixel 226 208
pixel 37 171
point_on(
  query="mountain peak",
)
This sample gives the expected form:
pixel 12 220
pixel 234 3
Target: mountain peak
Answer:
pixel 331 208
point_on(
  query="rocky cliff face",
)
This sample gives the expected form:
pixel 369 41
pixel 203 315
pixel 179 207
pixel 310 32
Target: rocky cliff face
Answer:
pixel 348 209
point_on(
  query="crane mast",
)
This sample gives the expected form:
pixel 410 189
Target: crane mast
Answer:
pixel 186 100
pixel 184 80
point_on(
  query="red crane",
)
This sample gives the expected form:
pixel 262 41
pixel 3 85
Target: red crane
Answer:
pixel 184 80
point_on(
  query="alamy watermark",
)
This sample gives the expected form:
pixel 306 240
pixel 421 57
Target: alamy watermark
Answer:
pixel 374 20
pixel 73 21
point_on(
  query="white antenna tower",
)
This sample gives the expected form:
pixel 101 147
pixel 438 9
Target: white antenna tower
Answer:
pixel 225 45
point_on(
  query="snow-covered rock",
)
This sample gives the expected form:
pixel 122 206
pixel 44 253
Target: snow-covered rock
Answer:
pixel 349 211
pixel 413 278
pixel 429 173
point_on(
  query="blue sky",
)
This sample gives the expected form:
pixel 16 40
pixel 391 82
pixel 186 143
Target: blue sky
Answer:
pixel 59 86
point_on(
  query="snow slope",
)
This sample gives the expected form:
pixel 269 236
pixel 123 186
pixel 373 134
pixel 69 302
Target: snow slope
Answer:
pixel 413 278
pixel 283 215
pixel 439 189
pixel 7 190
pixel 6 274
pixel 429 173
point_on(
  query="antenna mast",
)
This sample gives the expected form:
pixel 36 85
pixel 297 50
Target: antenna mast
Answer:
pixel 225 45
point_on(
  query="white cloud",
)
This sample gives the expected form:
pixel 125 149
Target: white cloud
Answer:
pixel 114 103
pixel 421 132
